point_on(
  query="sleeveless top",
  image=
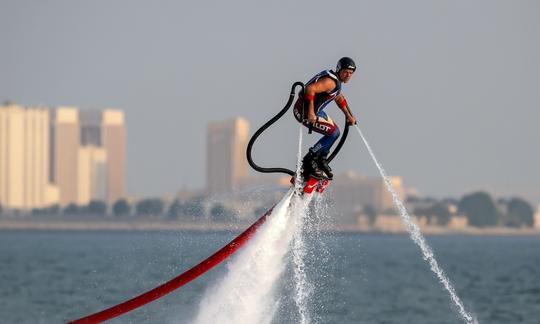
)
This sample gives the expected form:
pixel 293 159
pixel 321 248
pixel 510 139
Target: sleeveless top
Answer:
pixel 324 98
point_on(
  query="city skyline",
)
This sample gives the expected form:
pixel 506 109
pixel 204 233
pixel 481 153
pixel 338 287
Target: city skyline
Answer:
pixel 225 150
pixel 72 146
pixel 59 156
pixel 451 107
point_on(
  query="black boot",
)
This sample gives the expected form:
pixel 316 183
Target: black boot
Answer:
pixel 311 168
pixel 322 162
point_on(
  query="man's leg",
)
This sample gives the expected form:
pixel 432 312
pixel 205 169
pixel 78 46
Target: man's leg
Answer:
pixel 316 157
pixel 310 168
pixel 322 147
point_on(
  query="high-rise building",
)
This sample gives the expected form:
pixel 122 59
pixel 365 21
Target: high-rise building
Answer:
pixel 89 154
pixel 92 178
pixel 60 156
pixel 226 162
pixel 65 144
pixel 106 129
pixel 113 135
pixel 24 158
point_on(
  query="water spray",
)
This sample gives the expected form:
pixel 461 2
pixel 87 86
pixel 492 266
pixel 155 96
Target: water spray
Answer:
pixel 419 239
pixel 246 293
pixel 303 288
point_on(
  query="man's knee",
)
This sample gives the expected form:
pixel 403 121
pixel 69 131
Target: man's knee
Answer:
pixel 335 134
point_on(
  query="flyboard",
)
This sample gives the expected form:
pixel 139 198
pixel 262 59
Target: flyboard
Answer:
pixel 307 187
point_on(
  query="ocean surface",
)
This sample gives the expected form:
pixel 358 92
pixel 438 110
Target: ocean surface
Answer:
pixel 53 277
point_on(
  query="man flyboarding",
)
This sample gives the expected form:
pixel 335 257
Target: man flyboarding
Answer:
pixel 319 92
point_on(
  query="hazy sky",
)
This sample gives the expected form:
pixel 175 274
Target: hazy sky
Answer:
pixel 447 92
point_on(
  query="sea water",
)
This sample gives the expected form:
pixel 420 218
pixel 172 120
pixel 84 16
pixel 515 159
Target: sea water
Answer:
pixel 51 277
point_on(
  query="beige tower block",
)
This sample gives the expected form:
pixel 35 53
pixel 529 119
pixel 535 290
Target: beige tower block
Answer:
pixel 24 157
pixel 65 152
pixel 113 132
pixel 226 148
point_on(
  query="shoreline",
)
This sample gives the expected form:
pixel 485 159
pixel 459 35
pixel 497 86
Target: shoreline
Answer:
pixel 139 225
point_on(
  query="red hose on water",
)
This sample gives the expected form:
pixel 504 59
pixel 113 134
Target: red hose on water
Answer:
pixel 177 282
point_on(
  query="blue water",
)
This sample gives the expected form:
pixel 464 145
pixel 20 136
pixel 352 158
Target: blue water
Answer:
pixel 52 277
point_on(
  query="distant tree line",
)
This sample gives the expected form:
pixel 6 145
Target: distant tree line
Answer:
pixel 481 211
pixel 190 210
pixel 439 212
pixel 479 208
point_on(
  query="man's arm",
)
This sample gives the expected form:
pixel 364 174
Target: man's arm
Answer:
pixel 323 85
pixel 344 106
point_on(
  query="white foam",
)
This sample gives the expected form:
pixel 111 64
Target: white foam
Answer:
pixel 247 292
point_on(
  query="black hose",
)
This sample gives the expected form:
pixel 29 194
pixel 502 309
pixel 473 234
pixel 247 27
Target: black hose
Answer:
pixel 263 128
pixel 272 121
pixel 341 142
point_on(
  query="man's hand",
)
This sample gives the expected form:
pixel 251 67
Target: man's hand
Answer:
pixel 351 120
pixel 312 118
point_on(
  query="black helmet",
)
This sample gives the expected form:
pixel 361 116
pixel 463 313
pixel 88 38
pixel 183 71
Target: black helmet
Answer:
pixel 345 63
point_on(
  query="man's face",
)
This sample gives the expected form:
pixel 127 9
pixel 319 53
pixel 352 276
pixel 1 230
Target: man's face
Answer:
pixel 345 75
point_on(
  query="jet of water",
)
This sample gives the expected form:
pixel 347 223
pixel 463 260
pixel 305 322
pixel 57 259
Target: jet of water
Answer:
pixel 303 288
pixel 246 294
pixel 419 239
